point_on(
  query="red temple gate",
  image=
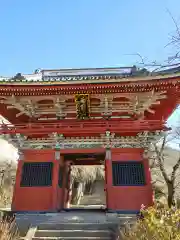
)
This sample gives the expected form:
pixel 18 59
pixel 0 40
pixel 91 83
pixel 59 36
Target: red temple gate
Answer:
pixel 114 120
pixel 55 196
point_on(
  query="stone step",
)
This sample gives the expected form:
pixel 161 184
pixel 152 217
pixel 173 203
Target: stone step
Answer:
pixel 77 226
pixel 92 200
pixel 72 233
pixel 71 238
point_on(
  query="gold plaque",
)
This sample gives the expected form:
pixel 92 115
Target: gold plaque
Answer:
pixel 82 106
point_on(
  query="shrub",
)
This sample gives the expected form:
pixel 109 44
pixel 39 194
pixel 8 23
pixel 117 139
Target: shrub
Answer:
pixel 8 230
pixel 155 223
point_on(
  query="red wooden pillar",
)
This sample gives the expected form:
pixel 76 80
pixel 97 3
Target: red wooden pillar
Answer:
pixel 55 184
pixel 108 176
pixel 60 186
pixel 124 197
pixel 147 170
pixel 66 184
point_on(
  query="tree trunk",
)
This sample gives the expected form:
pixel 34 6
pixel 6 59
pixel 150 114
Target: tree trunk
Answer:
pixel 77 193
pixel 171 194
pixel 88 188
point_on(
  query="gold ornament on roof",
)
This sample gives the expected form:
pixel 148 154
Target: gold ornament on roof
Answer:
pixel 82 106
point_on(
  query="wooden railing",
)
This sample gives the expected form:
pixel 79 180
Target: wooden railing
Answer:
pixel 79 127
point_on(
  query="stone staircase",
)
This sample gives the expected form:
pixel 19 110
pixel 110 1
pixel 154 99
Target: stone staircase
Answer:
pixel 92 200
pixel 98 196
pixel 72 231
pixel 72 225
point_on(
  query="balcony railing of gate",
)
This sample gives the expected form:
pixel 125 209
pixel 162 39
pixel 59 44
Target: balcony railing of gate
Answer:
pixel 119 126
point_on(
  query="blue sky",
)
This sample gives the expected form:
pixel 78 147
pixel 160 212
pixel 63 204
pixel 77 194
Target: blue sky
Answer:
pixel 83 33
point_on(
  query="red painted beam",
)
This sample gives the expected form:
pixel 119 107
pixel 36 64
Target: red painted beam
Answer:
pixel 83 127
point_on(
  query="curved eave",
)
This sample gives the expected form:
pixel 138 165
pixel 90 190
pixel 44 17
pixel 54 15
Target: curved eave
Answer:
pixel 130 79
pixel 130 85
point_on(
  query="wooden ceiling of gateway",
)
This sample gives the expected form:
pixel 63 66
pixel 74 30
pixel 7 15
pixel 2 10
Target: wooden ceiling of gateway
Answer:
pixel 153 100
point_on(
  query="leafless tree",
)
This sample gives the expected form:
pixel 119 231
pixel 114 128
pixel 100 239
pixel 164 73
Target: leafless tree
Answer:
pixel 159 158
pixel 174 40
pixel 7 179
pixel 169 174
pixel 172 61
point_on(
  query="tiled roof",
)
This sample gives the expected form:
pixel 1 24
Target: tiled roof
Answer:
pixel 65 75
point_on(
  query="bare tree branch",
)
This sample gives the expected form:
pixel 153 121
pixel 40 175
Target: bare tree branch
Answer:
pixel 175 168
pixel 163 145
pixel 175 23
pixel 138 55
pixel 161 164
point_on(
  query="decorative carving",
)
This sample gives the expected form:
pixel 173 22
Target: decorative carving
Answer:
pixel 107 141
pixel 82 145
pixel 108 154
pixel 114 105
pixel 57 155
pixel 82 106
pixel 24 107
pixel 106 105
pixel 144 101
pixel 60 107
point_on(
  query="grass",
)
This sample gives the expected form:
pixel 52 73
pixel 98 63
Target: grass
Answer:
pixel 8 230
